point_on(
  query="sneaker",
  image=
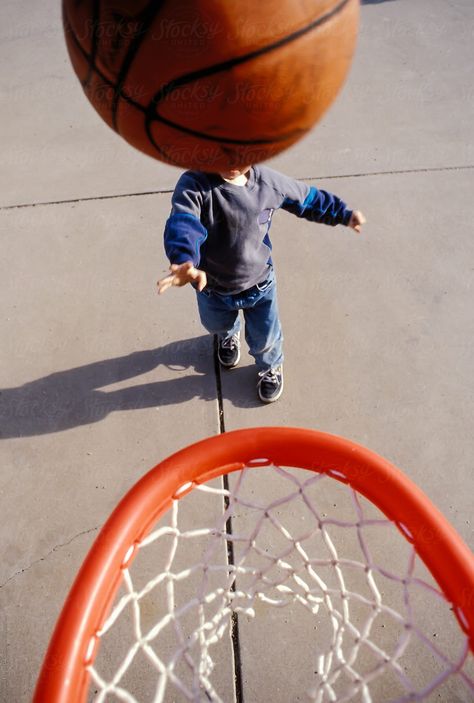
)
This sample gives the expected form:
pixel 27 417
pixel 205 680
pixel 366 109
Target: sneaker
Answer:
pixel 228 350
pixel 270 385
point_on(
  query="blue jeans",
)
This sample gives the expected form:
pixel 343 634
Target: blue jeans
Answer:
pixel 220 315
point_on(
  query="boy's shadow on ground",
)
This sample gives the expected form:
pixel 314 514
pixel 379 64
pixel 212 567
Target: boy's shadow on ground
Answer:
pixel 72 398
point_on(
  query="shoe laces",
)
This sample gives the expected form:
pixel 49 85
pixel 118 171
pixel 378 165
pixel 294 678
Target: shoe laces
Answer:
pixel 270 375
pixel 230 342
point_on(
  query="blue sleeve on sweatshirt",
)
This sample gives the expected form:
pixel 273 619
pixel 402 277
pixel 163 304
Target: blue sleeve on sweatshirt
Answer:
pixel 184 232
pixel 184 235
pixel 319 206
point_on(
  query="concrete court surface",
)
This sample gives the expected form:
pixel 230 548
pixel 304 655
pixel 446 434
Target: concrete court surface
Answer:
pixel 101 379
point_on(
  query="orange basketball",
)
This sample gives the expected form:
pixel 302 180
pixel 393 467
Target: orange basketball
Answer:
pixel 211 84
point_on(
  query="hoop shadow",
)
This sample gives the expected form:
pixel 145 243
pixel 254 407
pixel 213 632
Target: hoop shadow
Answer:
pixel 73 397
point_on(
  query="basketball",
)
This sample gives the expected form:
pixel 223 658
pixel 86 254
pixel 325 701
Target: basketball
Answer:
pixel 211 84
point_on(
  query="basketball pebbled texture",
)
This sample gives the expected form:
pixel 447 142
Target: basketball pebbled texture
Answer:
pixel 211 84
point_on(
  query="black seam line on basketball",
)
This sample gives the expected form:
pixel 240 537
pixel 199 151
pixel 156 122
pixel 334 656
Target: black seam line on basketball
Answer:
pixel 225 140
pixel 102 75
pixel 226 65
pixel 166 191
pixel 129 100
pixel 95 41
pixel 158 148
pixel 91 67
pixel 118 87
pixel 124 97
pixel 230 63
pixel 146 18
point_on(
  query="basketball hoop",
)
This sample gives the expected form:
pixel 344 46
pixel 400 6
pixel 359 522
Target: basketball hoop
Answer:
pixel 295 522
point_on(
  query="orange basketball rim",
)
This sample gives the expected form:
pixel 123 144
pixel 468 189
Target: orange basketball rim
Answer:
pixel 64 676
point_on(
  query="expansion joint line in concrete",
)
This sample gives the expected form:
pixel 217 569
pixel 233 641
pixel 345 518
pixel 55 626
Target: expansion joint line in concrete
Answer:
pixel 46 556
pixel 220 403
pixel 234 622
pixel 167 191
pixel 394 172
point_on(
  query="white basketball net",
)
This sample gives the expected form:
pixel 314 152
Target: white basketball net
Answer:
pixel 323 601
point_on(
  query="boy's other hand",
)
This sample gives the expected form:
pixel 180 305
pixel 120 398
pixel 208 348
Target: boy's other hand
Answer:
pixel 182 274
pixel 357 220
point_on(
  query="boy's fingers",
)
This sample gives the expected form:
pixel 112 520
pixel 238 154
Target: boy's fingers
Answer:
pixel 181 267
pixel 163 285
pixel 202 281
pixel 182 274
pixel 192 274
pixel 359 217
pixel 166 282
pixel 174 279
pixel 357 220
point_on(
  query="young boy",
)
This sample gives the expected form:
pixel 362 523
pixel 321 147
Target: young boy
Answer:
pixel 217 239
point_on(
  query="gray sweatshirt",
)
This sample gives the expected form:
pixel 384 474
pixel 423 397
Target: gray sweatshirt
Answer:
pixel 224 228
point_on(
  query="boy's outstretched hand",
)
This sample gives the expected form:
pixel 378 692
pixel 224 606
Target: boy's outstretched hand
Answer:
pixel 357 220
pixel 182 274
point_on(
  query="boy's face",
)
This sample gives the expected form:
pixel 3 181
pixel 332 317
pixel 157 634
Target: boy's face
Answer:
pixel 232 173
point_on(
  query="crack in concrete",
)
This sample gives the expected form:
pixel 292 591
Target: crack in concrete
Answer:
pixel 219 396
pixel 170 190
pixel 54 549
pixel 394 172
pixel 88 199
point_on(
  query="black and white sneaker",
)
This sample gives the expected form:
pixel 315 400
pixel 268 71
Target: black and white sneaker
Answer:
pixel 228 350
pixel 270 384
